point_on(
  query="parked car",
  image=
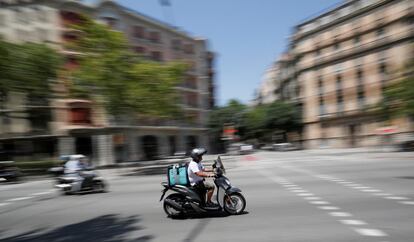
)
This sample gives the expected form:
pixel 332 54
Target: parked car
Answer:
pixel 9 171
pixel 284 147
pixel 267 147
pixel 240 149
pixel 406 145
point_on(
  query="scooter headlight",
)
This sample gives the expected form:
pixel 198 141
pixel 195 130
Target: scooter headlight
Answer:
pixel 227 181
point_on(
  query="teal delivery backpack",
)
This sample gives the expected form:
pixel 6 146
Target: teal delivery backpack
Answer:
pixel 177 175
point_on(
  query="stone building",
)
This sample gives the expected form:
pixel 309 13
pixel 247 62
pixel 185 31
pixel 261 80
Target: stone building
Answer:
pixel 81 126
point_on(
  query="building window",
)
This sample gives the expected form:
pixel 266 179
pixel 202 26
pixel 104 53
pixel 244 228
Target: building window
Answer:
pixel 155 37
pixel 139 32
pixel 191 82
pixel 322 110
pixel 111 22
pixel 340 102
pixel 339 83
pixel 383 75
pixel 383 69
pixel 317 52
pixel 361 98
pixel 156 56
pixel 176 44
pixel 337 46
pixel 189 48
pixel 380 32
pixel 80 116
pixel 338 68
pixel 320 86
pixel 360 77
pixel 140 50
pixel 357 40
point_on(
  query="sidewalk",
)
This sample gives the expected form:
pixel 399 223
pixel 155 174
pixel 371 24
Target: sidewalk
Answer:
pixel 153 167
pixel 367 151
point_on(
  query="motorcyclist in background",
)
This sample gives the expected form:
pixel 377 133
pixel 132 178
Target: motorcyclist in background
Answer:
pixel 78 165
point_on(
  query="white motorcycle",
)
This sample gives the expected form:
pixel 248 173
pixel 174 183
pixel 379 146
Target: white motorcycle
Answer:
pixel 81 182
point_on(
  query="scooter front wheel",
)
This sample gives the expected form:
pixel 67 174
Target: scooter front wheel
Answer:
pixel 234 203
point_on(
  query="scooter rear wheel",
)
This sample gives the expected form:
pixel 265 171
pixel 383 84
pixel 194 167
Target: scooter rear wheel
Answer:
pixel 169 210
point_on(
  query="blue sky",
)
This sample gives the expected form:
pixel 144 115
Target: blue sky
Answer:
pixel 247 35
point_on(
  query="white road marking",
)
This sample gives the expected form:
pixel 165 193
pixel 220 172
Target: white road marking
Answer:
pixel 328 208
pixel 340 214
pixel 41 193
pixel 294 188
pixel 397 198
pixel 319 202
pixel 352 222
pixel 382 194
pixel 4 204
pixel 407 202
pixel 371 190
pixel 353 185
pixel 18 199
pixel 298 191
pixel 305 194
pixel 312 198
pixel 363 188
pixel 370 232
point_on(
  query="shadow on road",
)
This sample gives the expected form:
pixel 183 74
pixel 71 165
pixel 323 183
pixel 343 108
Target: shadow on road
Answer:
pixel 108 228
pixel 405 177
pixel 204 219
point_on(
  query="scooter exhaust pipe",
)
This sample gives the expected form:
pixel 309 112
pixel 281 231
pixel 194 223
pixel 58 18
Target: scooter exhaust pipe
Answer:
pixel 174 204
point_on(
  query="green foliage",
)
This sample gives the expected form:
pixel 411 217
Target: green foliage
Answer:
pixel 127 83
pixel 255 122
pixel 282 115
pixel 263 120
pixel 233 113
pixel 28 68
pixel 399 97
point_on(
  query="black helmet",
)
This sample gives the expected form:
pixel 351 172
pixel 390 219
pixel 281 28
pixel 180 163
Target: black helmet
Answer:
pixel 197 153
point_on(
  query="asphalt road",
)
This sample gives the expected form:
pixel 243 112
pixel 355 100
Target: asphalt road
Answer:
pixel 291 196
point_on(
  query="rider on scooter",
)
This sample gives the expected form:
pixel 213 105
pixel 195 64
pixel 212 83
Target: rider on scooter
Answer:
pixel 78 166
pixel 197 173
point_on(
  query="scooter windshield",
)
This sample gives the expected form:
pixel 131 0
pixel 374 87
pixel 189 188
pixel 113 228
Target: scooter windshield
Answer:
pixel 220 165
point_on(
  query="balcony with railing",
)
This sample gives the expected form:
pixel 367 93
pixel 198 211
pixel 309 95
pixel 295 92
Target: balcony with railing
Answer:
pixel 356 49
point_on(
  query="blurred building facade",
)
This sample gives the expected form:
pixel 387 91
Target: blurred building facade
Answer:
pixel 82 126
pixel 280 83
pixel 336 68
pixel 344 59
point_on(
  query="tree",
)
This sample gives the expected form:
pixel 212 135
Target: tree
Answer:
pixel 399 96
pixel 283 116
pixel 28 68
pixel 232 113
pixel 259 122
pixel 128 84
